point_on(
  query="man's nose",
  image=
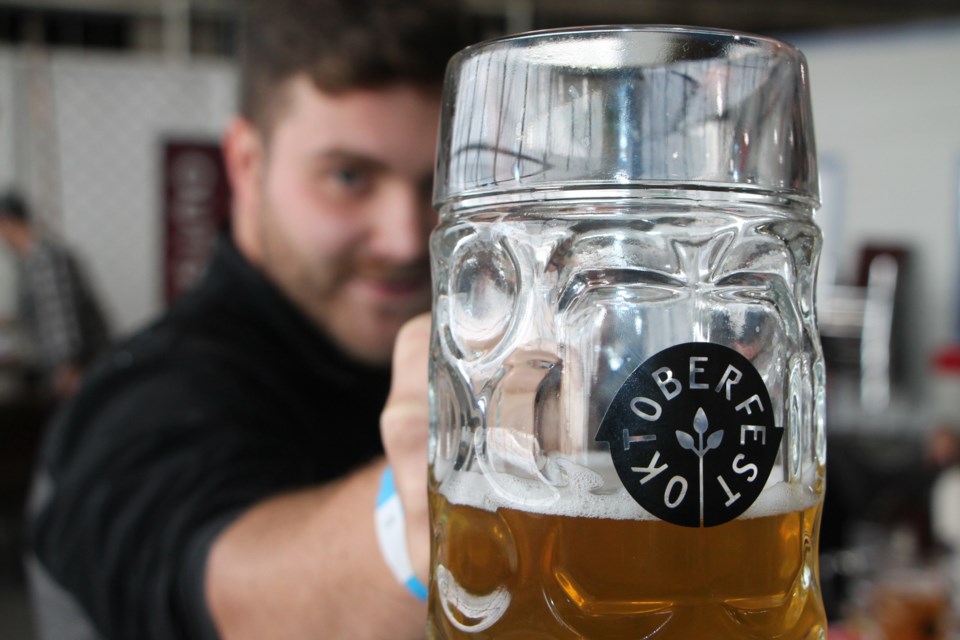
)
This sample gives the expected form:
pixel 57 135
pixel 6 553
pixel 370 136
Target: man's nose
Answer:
pixel 403 223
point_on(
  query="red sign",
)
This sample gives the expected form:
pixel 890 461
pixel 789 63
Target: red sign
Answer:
pixel 196 206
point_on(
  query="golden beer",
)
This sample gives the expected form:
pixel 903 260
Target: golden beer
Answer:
pixel 506 573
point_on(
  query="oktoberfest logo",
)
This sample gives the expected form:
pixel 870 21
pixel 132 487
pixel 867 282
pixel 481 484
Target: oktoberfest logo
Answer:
pixel 692 435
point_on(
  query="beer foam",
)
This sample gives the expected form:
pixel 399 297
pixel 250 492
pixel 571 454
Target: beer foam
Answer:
pixel 581 495
pixel 779 496
pixel 577 498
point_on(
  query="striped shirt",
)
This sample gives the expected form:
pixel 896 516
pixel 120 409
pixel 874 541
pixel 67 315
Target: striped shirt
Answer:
pixel 58 306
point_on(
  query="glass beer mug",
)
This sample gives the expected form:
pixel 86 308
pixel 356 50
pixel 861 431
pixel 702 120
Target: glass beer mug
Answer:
pixel 627 386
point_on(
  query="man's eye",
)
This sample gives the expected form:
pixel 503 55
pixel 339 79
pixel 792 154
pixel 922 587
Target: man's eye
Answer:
pixel 351 178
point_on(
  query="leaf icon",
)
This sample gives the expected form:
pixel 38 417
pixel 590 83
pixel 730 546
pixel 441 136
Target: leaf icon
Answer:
pixel 714 440
pixel 700 421
pixel 686 440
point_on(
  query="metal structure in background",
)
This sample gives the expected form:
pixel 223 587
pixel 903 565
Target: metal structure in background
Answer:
pixel 172 28
pixel 763 16
pixel 187 28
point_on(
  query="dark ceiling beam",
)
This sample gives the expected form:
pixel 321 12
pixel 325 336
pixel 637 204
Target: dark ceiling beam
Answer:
pixel 784 15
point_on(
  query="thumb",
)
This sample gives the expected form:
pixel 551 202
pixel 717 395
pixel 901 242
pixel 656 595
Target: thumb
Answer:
pixel 405 418
pixel 404 427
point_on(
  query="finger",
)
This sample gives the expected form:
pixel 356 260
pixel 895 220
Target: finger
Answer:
pixel 405 417
pixel 404 426
pixel 410 357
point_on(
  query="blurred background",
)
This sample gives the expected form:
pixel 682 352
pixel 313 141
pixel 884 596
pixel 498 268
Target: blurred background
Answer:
pixel 110 117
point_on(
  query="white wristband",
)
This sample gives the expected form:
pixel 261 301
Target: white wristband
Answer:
pixel 392 536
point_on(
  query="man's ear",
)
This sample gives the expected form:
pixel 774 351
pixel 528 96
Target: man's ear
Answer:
pixel 244 157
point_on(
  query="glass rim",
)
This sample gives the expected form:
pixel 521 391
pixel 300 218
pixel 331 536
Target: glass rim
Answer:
pixel 627 106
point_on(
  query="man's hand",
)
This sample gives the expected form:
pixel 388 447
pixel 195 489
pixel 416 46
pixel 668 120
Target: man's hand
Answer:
pixel 404 427
pixel 296 565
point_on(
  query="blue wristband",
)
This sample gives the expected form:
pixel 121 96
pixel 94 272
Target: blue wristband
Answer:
pixel 392 536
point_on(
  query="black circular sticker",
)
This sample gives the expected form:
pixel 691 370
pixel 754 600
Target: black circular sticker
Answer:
pixel 691 434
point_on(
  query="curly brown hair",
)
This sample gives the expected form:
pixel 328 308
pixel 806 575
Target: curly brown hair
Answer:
pixel 342 45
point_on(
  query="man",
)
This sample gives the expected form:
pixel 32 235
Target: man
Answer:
pixel 216 477
pixel 56 303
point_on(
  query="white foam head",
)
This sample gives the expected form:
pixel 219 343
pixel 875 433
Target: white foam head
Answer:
pixel 580 497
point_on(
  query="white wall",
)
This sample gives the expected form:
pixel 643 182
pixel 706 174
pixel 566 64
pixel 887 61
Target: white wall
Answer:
pixel 887 118
pixel 87 131
pixel 111 194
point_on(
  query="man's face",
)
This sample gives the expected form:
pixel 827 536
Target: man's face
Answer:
pixel 8 233
pixel 5 230
pixel 341 213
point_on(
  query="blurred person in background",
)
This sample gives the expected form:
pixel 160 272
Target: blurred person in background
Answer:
pixel 217 474
pixel 56 304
